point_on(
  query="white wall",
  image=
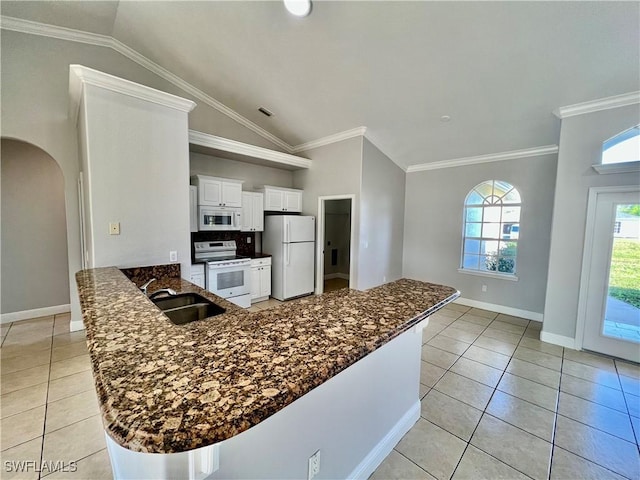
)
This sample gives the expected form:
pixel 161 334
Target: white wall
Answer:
pixel 137 169
pixel 34 236
pixel 381 219
pixel 433 229
pixel 581 140
pixel 336 170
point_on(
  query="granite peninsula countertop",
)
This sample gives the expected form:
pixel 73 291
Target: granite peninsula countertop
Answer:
pixel 166 388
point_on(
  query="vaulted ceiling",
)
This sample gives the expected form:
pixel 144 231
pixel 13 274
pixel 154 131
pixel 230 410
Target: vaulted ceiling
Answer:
pixel 497 69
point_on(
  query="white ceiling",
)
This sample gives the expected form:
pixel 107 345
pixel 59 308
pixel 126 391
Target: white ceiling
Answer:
pixel 498 69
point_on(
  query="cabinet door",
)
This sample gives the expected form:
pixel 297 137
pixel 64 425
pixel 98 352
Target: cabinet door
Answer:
pixel 246 218
pixel 198 279
pixel 255 282
pixel 265 281
pixel 257 212
pixel 273 200
pixel 292 202
pixel 210 192
pixel 231 194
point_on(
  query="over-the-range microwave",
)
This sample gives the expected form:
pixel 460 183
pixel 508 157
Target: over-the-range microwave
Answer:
pixel 218 218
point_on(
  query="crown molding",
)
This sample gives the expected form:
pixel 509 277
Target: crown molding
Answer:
pixel 231 146
pixel 79 76
pixel 596 105
pixel 493 157
pixel 336 137
pixel 63 33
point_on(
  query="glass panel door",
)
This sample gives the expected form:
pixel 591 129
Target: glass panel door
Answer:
pixel 622 314
pixel 612 287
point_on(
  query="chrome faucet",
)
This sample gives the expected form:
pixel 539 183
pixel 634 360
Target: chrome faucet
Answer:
pixel 168 291
pixel 144 287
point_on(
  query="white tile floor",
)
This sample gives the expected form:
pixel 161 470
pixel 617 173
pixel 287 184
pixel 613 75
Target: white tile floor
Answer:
pixel 496 403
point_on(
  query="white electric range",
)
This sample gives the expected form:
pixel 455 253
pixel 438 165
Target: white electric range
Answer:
pixel 226 274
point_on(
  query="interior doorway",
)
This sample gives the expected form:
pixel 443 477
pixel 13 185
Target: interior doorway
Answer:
pixel 610 294
pixel 335 240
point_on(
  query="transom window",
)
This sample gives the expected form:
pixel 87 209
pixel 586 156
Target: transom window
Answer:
pixel 491 228
pixel 624 147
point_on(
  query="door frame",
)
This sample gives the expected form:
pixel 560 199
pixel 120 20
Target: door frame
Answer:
pixel 320 242
pixel 587 254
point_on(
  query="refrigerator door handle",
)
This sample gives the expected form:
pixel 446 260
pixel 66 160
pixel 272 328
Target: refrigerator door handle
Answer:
pixel 288 247
pixel 287 232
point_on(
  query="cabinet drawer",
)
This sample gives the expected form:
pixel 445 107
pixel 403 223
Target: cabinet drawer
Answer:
pixel 261 262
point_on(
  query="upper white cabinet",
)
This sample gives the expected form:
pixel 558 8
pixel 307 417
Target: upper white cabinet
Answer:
pixel 278 199
pixel 218 192
pixel 252 212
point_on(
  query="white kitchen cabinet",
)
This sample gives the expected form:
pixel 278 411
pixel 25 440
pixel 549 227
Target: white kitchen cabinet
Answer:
pixel 218 192
pixel 197 274
pixel 193 208
pixel 252 212
pixel 278 199
pixel 260 279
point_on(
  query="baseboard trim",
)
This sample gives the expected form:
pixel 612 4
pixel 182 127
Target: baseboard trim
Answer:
pixel 331 276
pixel 567 342
pixel 35 313
pixel 516 312
pixel 377 455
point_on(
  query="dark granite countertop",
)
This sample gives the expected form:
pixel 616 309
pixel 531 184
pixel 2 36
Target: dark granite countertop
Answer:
pixel 165 388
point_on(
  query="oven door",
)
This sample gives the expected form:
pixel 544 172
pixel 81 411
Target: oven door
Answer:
pixel 229 281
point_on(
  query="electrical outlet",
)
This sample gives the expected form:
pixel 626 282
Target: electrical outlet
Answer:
pixel 314 465
pixel 114 228
pixel 173 256
pixel 484 288
pixel 248 239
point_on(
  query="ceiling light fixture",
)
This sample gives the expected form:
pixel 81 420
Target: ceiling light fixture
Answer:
pixel 445 118
pixel 299 8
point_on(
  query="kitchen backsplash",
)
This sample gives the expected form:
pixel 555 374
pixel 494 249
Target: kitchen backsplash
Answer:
pixel 245 248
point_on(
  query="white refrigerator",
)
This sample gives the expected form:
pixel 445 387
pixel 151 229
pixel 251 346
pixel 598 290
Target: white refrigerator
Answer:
pixel 290 239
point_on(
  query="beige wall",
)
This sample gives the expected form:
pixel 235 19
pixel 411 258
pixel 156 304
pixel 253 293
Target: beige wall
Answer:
pixel 381 219
pixel 336 170
pixel 254 176
pixel 581 140
pixel 34 236
pixel 35 104
pixel 433 229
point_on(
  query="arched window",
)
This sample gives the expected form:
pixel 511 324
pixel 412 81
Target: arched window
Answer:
pixel 624 147
pixel 491 228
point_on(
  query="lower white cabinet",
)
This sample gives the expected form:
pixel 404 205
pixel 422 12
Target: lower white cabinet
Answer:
pixel 197 274
pixel 260 279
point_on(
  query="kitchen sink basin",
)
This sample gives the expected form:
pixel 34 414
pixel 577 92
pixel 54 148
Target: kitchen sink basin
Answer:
pixel 187 307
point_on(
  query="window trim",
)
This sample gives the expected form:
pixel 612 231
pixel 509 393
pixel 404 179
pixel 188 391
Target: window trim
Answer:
pixel 483 205
pixel 501 276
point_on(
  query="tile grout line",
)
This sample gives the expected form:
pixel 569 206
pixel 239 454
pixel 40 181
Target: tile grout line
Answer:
pixel 484 412
pixel 586 425
pixel 46 402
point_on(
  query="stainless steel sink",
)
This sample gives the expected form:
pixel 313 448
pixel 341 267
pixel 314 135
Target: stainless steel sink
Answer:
pixel 187 307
